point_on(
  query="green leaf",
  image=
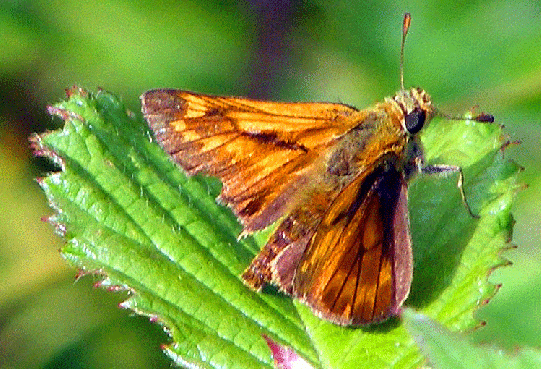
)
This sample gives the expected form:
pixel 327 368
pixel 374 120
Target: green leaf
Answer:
pixel 128 213
pixel 445 349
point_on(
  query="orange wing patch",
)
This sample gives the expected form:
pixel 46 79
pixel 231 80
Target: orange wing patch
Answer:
pixel 347 274
pixel 261 151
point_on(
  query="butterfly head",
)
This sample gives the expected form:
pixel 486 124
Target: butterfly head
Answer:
pixel 417 107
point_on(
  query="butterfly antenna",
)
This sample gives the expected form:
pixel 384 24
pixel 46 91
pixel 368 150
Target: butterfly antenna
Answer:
pixel 481 118
pixel 405 29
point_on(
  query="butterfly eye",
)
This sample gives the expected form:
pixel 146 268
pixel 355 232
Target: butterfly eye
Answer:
pixel 415 121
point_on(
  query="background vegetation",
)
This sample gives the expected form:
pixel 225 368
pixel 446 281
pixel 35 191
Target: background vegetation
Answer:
pixel 463 54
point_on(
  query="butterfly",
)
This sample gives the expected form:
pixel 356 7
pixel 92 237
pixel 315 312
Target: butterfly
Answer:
pixel 333 176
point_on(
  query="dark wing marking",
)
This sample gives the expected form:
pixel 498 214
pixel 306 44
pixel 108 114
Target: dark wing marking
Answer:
pixel 262 151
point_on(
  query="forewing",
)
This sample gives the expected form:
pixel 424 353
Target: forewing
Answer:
pixel 262 151
pixel 357 268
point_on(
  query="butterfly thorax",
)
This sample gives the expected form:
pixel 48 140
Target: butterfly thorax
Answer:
pixel 384 135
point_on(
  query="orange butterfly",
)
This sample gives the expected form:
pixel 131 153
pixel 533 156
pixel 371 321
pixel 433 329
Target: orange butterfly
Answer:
pixel 334 176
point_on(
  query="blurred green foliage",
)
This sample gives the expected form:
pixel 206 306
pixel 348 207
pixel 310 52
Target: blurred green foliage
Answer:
pixel 462 53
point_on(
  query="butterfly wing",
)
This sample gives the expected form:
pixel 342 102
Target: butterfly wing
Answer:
pixel 261 151
pixel 357 267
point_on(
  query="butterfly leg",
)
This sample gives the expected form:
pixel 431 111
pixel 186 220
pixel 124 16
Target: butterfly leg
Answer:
pixel 444 169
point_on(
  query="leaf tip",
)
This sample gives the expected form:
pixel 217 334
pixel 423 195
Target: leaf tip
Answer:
pixel 285 357
pixel 76 90
pixel 39 149
pixel 80 274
